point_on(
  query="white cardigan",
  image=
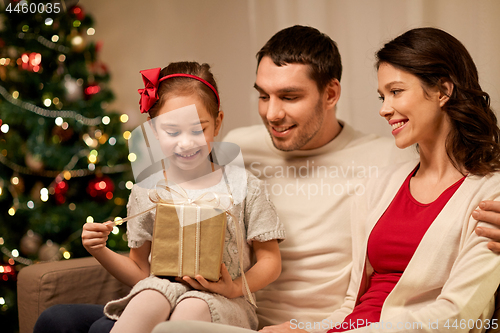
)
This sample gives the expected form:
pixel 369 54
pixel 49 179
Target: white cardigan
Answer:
pixel 452 277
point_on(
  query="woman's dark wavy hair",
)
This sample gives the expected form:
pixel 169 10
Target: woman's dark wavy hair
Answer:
pixel 434 55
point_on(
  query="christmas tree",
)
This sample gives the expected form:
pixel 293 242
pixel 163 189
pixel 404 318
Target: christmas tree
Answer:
pixel 63 155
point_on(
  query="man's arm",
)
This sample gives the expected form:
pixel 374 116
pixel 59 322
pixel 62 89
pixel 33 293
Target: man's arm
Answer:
pixel 489 212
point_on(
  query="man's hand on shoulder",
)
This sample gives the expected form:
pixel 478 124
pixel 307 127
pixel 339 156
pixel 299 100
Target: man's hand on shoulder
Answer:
pixel 281 328
pixel 489 212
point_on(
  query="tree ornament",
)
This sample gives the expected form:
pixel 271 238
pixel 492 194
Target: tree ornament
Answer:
pixel 59 190
pixel 78 12
pixel 34 162
pixel 63 134
pixel 98 68
pixel 49 251
pixel 74 91
pixel 78 43
pixel 91 90
pixel 8 272
pixel 30 243
pixel 101 188
pixel 30 61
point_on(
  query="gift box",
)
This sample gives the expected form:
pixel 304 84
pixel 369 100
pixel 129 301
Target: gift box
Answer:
pixel 188 240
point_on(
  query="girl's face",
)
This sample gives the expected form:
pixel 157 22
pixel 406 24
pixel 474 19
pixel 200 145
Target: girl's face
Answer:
pixel 185 129
pixel 414 114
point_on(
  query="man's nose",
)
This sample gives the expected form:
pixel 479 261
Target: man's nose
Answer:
pixel 275 110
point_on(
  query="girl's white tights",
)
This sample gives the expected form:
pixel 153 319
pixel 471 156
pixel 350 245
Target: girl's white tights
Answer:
pixel 149 308
pixel 191 309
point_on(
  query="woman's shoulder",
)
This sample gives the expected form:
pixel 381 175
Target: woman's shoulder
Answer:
pixel 488 184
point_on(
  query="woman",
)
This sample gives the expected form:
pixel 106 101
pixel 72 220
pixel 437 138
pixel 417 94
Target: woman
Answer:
pixel 418 264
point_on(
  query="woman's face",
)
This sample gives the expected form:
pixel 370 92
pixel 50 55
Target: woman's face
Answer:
pixel 185 129
pixel 414 114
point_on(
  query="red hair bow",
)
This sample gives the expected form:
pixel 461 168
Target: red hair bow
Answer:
pixel 149 95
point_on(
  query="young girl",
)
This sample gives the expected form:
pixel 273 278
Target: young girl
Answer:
pixel 186 138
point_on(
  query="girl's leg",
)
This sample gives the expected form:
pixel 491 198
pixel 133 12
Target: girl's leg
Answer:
pixel 191 309
pixel 144 311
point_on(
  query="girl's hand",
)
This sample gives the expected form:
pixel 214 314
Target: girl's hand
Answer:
pixel 95 235
pixel 225 286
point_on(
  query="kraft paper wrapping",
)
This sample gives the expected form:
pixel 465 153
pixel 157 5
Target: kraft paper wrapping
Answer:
pixel 180 248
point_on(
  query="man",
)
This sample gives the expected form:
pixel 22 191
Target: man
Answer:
pixel 312 165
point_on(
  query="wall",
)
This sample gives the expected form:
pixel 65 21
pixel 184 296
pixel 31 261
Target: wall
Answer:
pixel 227 34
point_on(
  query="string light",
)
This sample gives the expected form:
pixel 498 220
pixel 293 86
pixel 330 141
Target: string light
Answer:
pixel 44 41
pixel 103 139
pixel 49 113
pixel 44 194
pixel 77 41
pixel 4 128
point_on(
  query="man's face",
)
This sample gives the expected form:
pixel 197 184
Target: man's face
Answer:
pixel 290 105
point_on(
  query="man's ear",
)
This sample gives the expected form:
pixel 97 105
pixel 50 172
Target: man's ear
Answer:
pixel 446 89
pixel 332 93
pixel 218 122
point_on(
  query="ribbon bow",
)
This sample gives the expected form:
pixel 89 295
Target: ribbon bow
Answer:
pixel 201 200
pixel 149 95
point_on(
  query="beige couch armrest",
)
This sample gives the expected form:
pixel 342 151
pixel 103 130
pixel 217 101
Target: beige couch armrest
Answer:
pixel 81 280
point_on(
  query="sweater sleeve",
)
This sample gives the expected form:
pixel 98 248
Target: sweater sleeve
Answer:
pixel 140 228
pixel 261 220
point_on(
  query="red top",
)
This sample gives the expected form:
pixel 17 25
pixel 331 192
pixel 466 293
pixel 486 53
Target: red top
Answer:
pixel 391 245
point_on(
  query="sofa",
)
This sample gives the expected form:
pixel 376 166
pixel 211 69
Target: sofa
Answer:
pixel 81 280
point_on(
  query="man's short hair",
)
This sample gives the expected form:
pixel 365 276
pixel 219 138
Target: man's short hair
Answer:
pixel 308 46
